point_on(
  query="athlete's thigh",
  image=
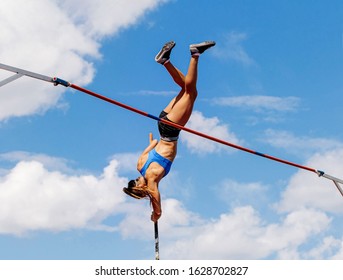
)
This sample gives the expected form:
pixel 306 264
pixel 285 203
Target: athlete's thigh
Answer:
pixel 182 110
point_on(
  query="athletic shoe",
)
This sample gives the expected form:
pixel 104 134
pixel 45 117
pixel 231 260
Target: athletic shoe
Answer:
pixel 164 53
pixel 197 49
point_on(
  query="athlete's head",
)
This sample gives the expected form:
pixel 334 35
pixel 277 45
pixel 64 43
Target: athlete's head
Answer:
pixel 137 188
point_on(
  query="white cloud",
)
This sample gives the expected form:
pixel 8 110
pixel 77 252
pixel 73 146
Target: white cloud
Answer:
pixel 305 189
pixel 242 234
pixel 310 211
pixel 295 230
pixel 299 145
pixel 106 17
pixel 41 193
pixel 159 93
pixel 137 223
pixel 308 217
pixel 259 103
pixel 329 246
pixel 211 127
pixel 34 198
pixel 50 163
pixel 339 254
pixel 56 37
pixel 232 234
pixel 175 221
pixel 128 161
pixel 237 193
pixel 232 49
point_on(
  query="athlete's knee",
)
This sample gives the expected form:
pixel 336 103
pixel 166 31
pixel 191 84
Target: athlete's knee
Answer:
pixel 191 88
pixel 193 93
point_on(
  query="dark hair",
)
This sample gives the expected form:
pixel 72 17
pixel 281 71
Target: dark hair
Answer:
pixel 135 191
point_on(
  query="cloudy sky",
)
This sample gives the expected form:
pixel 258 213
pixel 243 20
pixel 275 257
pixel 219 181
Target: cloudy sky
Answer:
pixel 273 83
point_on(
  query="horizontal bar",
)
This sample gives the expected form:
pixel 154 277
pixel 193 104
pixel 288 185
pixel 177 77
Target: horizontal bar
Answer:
pixel 190 130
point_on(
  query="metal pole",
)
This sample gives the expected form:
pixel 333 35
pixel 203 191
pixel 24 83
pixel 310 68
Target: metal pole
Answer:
pixel 157 246
pixel 10 79
pixel 335 180
pixel 26 73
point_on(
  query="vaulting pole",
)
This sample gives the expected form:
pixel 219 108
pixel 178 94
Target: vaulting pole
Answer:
pixel 157 245
pixel 57 81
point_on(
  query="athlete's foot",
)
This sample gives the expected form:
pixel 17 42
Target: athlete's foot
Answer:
pixel 164 54
pixel 197 49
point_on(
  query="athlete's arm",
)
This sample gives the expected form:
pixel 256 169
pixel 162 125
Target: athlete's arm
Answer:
pixel 155 199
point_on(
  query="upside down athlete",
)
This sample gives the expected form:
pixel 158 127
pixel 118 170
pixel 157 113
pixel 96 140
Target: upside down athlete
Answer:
pixel 156 160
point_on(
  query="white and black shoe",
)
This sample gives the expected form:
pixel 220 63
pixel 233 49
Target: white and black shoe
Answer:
pixel 197 49
pixel 164 54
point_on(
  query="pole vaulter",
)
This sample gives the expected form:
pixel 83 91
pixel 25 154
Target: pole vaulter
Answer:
pixel 57 81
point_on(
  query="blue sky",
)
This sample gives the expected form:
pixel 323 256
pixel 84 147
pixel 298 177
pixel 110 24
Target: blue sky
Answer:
pixel 273 83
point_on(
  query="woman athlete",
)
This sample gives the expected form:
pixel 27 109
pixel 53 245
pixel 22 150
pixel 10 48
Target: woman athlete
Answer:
pixel 155 161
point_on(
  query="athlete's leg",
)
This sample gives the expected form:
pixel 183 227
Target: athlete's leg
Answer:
pixel 176 74
pixel 182 105
pixel 180 108
pixel 163 57
pixel 179 78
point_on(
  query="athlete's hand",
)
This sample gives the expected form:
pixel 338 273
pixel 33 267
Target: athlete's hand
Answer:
pixel 151 137
pixel 155 216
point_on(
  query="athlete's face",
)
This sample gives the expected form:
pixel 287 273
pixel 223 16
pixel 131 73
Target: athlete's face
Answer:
pixel 140 182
